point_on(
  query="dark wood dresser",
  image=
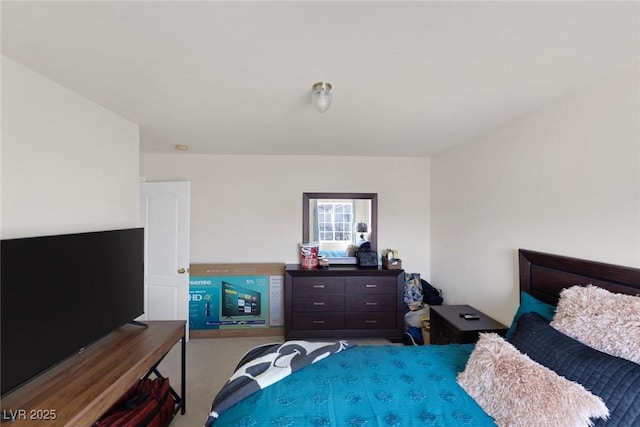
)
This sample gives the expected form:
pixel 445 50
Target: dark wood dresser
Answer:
pixel 343 302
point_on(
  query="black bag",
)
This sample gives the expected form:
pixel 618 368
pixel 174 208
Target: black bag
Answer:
pixel 430 295
pixel 367 258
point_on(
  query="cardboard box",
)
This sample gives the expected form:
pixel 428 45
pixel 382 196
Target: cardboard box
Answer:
pixel 426 331
pixel 225 297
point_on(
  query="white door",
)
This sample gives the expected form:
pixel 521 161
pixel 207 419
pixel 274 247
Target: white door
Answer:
pixel 164 214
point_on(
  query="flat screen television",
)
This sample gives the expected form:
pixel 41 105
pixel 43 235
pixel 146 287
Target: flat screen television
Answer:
pixel 61 293
pixel 239 301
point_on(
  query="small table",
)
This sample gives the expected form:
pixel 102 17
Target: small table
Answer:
pixel 77 391
pixel 447 327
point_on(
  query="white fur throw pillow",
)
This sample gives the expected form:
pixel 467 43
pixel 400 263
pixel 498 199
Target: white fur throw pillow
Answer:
pixel 602 320
pixel 516 391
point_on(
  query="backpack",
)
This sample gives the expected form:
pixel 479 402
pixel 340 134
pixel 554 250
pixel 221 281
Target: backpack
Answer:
pixel 150 403
pixel 431 295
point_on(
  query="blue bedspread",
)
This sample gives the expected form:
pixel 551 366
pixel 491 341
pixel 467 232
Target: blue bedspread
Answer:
pixel 268 364
pixel 367 386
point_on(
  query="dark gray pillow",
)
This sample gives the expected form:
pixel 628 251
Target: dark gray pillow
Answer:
pixel 615 380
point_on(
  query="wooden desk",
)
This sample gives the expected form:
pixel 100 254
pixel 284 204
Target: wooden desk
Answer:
pixel 79 390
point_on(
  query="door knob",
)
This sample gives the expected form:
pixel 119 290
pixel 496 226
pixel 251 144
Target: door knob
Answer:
pixel 182 271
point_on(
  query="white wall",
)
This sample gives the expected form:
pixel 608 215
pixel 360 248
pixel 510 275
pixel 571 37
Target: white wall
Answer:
pixel 249 208
pixel 564 180
pixel 68 164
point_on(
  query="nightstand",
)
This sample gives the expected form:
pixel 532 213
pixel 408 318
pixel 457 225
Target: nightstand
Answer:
pixel 447 327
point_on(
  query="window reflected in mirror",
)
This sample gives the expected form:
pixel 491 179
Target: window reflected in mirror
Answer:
pixel 339 223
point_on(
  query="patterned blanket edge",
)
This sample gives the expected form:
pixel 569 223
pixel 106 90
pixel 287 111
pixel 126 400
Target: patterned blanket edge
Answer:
pixel 265 365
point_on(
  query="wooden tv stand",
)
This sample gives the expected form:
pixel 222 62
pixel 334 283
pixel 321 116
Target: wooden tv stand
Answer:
pixel 79 390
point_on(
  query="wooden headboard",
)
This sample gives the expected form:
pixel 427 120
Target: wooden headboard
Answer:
pixel 544 275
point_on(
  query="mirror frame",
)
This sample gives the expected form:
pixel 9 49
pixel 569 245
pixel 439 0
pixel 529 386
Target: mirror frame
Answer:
pixel 373 234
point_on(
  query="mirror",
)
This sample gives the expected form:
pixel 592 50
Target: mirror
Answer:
pixel 340 222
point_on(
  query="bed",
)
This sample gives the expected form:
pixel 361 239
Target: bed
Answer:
pixel 545 373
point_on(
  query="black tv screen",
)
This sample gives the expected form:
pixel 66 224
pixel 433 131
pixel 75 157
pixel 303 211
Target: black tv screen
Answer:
pixel 61 293
pixel 239 301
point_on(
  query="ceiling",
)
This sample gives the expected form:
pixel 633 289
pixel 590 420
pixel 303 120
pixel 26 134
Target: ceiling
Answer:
pixel 234 77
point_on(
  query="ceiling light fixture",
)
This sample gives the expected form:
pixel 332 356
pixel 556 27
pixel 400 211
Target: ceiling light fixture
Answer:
pixel 181 147
pixel 321 96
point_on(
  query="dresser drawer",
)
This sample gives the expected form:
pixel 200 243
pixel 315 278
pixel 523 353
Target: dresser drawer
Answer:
pixel 372 320
pixel 317 285
pixel 316 321
pixel 317 303
pixel 371 302
pixel 371 285
pixel 343 301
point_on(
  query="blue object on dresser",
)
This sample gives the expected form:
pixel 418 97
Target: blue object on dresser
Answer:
pixel 333 254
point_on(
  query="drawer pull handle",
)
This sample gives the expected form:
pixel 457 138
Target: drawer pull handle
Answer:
pixel 319 286
pixel 318 303
pixel 371 286
pixel 318 322
pixel 370 321
pixel 370 303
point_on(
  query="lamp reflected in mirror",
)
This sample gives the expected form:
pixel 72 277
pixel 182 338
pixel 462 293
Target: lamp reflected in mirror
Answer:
pixel 362 228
